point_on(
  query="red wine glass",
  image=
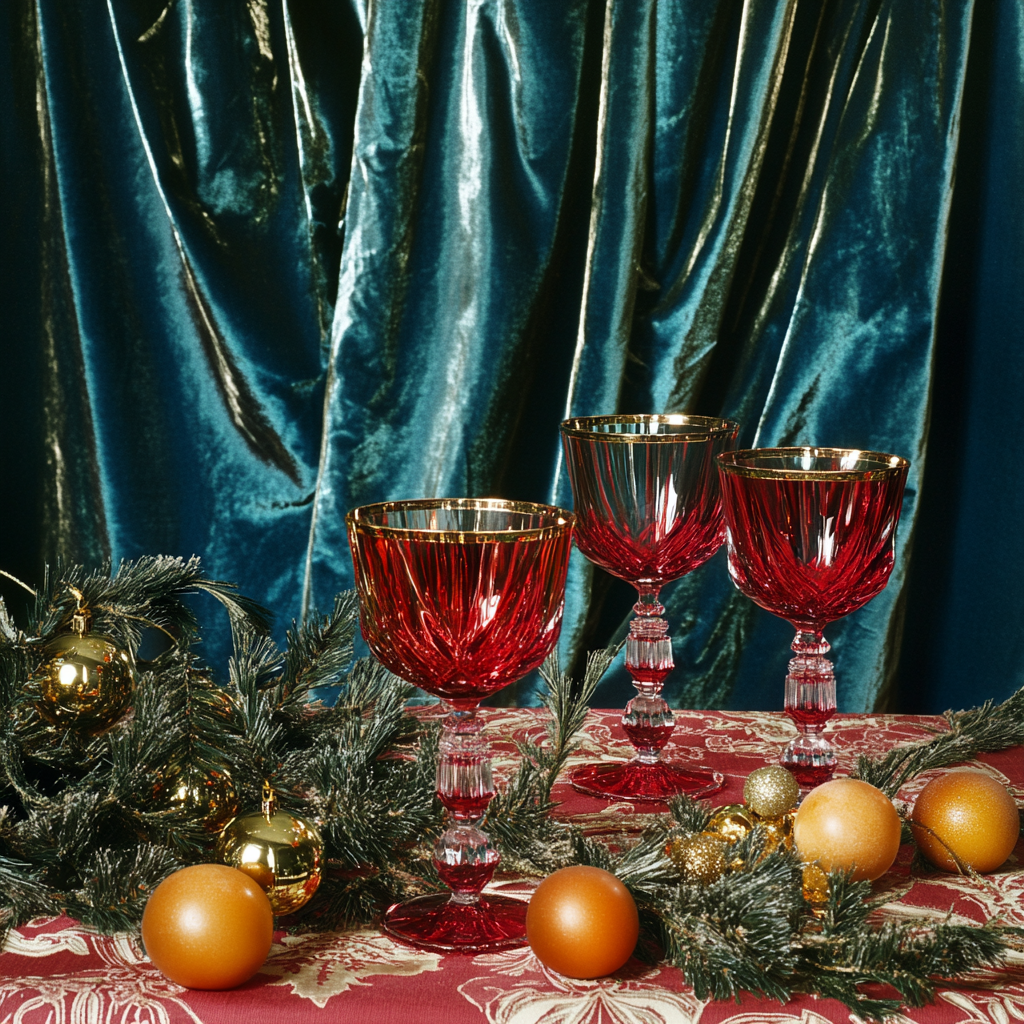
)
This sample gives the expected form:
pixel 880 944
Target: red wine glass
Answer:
pixel 810 539
pixel 461 596
pixel 648 510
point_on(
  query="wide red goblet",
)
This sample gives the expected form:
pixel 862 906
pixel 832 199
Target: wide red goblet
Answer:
pixel 648 510
pixel 461 596
pixel 810 539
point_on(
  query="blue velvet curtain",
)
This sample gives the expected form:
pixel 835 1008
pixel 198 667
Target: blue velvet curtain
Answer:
pixel 266 261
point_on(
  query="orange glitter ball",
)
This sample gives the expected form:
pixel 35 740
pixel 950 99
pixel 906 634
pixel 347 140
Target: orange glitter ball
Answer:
pixel 972 814
pixel 846 824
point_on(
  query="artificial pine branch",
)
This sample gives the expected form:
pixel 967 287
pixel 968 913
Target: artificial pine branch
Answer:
pixel 146 592
pixel 987 728
pixel 519 816
pixel 93 836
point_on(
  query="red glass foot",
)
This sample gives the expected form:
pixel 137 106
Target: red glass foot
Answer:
pixel 809 776
pixel 632 780
pixel 441 925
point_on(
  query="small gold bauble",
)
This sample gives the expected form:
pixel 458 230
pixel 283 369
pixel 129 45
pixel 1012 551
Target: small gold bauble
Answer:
pixel 777 832
pixel 85 680
pixel 771 791
pixel 699 858
pixel 815 883
pixel 280 851
pixel 732 822
pixel 210 794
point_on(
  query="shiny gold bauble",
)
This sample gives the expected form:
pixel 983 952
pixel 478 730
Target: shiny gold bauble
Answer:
pixel 282 852
pixel 778 832
pixel 732 822
pixel 210 794
pixel 85 682
pixel 700 858
pixel 771 791
pixel 815 884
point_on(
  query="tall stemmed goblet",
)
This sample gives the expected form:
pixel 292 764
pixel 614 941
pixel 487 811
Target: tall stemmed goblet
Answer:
pixel 648 510
pixel 461 596
pixel 810 538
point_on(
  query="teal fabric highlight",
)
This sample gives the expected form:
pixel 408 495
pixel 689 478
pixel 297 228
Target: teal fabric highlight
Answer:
pixel 266 262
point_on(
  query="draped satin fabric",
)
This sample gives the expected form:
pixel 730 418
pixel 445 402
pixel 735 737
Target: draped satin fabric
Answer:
pixel 267 261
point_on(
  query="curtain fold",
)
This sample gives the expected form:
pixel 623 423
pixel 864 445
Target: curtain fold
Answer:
pixel 269 261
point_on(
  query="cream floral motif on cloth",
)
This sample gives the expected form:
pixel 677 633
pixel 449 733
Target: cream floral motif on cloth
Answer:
pixel 805 1017
pixel 318 967
pixel 125 988
pixel 988 1007
pixel 541 996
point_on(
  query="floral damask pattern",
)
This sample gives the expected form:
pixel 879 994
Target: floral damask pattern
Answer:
pixel 318 967
pixel 57 972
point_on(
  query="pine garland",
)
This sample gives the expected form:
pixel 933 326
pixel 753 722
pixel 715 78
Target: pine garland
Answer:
pixel 86 828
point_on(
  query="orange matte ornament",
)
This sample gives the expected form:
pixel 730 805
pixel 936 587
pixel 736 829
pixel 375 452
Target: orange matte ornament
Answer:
pixel 582 922
pixel 208 926
pixel 973 814
pixel 846 824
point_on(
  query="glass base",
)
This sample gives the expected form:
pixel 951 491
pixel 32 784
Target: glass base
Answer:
pixel 439 924
pixel 634 780
pixel 809 759
pixel 809 776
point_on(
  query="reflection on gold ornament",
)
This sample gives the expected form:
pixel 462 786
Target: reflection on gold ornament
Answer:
pixel 816 890
pixel 85 680
pixel 210 794
pixel 280 851
pixel 699 858
pixel 778 832
pixel 771 791
pixel 732 822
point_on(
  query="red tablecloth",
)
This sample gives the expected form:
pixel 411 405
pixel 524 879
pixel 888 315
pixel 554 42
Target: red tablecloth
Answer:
pixel 55 971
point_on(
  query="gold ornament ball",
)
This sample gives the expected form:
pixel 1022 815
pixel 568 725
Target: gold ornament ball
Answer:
pixel 732 822
pixel 700 858
pixel 973 814
pixel 848 824
pixel 281 852
pixel 211 794
pixel 86 682
pixel 815 885
pixel 777 831
pixel 771 791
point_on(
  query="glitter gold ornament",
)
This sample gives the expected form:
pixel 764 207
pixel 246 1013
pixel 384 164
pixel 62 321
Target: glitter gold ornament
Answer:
pixel 700 858
pixel 732 822
pixel 280 851
pixel 771 791
pixel 85 680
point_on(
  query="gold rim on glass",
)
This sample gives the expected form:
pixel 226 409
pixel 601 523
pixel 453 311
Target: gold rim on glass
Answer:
pixel 705 428
pixel 755 462
pixel 367 518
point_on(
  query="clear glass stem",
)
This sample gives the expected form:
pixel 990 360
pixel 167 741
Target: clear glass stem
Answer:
pixel 810 703
pixel 463 855
pixel 648 720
